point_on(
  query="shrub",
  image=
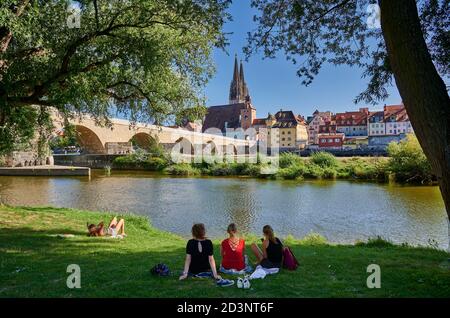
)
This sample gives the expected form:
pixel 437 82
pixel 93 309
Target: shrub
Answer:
pixel 324 159
pixel 156 164
pixel 313 171
pixel 313 239
pixel 295 171
pixel 288 159
pixel 182 169
pixel 407 161
pixel 222 169
pixel 375 242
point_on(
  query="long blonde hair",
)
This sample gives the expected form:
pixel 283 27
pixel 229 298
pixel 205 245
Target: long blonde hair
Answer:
pixel 268 231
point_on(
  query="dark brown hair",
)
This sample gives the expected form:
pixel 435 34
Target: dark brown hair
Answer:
pixel 198 231
pixel 268 231
pixel 232 228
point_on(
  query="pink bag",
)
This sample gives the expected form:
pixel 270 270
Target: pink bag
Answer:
pixel 290 262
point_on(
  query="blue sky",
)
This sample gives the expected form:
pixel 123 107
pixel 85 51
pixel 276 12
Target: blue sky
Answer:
pixel 273 83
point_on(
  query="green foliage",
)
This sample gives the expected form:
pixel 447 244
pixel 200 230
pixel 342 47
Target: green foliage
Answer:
pixel 156 163
pixel 313 239
pixel 294 171
pixel 357 168
pixel 182 169
pixel 145 59
pixel 68 139
pixel 140 160
pixel 322 266
pixel 408 162
pixel 377 242
pixel 324 159
pixel 287 159
pixel 17 128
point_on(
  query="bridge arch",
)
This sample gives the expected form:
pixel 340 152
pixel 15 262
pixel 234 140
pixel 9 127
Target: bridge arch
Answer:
pixel 211 149
pixel 143 140
pixel 89 141
pixel 183 146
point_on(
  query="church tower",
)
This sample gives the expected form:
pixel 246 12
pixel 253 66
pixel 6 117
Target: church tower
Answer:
pixel 238 88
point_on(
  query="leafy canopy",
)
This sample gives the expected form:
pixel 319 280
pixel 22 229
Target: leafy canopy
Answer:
pixel 342 32
pixel 146 59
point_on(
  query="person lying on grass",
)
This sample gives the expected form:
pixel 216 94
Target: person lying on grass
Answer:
pixel 271 255
pixel 115 228
pixel 199 255
pixel 232 251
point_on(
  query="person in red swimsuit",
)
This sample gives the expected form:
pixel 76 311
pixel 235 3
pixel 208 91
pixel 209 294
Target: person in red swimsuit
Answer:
pixel 232 250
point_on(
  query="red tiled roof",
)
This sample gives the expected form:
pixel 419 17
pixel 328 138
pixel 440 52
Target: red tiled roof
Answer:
pixel 259 121
pixel 351 118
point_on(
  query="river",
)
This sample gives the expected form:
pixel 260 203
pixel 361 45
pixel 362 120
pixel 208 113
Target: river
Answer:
pixel 341 211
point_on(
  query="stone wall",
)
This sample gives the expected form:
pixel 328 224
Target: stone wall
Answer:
pixel 25 159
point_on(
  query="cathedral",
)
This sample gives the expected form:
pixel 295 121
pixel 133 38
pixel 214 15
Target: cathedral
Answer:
pixel 239 112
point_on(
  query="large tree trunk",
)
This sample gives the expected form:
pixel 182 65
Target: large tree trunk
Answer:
pixel 422 89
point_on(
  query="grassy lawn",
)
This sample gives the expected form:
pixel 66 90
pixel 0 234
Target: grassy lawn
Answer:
pixel 33 263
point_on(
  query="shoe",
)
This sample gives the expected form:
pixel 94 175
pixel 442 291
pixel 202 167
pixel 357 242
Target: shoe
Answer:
pixel 240 282
pixel 203 275
pixel 246 283
pixel 225 282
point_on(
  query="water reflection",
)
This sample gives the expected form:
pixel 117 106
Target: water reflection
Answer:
pixel 341 211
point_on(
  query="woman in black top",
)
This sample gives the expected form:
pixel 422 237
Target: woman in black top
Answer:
pixel 199 254
pixel 271 255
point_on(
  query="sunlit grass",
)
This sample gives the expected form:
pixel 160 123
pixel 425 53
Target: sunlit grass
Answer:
pixel 33 263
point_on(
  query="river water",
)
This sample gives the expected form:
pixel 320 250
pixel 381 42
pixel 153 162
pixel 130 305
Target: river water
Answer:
pixel 342 211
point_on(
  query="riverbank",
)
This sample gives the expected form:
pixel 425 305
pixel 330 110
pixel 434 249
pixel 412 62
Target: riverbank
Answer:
pixel 34 263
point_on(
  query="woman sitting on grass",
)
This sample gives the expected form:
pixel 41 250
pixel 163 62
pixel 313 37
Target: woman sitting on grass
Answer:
pixel 271 255
pixel 199 257
pixel 232 250
pixel 115 228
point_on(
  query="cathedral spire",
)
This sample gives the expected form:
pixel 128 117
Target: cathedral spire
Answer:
pixel 238 88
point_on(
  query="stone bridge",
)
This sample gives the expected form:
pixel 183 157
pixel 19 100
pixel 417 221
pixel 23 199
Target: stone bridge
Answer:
pixel 119 136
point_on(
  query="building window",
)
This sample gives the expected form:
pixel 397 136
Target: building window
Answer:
pixel 330 140
pixel 289 139
pixel 336 140
pixel 289 132
pixel 282 133
pixel 283 139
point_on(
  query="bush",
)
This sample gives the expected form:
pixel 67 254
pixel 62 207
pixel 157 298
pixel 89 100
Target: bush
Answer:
pixel 324 159
pixel 362 169
pixel 182 169
pixel 407 161
pixel 288 159
pixel 292 172
pixel 313 239
pixel 221 169
pixel 156 164
pixel 375 242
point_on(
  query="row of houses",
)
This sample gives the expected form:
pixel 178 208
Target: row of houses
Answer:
pixel 289 131
pixel 356 128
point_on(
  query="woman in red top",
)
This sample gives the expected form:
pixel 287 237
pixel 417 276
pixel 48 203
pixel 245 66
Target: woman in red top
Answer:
pixel 232 250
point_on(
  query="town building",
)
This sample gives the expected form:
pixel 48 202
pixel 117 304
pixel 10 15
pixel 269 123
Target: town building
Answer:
pixel 317 120
pixel 376 126
pixel 331 140
pixel 286 131
pixel 352 123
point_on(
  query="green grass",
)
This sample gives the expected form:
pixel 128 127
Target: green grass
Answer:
pixel 33 263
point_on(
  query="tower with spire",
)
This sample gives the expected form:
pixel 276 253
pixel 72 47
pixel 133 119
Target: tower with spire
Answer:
pixel 239 92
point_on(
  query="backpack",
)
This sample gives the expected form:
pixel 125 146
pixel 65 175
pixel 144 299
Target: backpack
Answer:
pixel 160 270
pixel 290 262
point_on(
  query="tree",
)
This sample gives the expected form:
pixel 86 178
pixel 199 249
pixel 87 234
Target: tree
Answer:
pixel 412 46
pixel 147 59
